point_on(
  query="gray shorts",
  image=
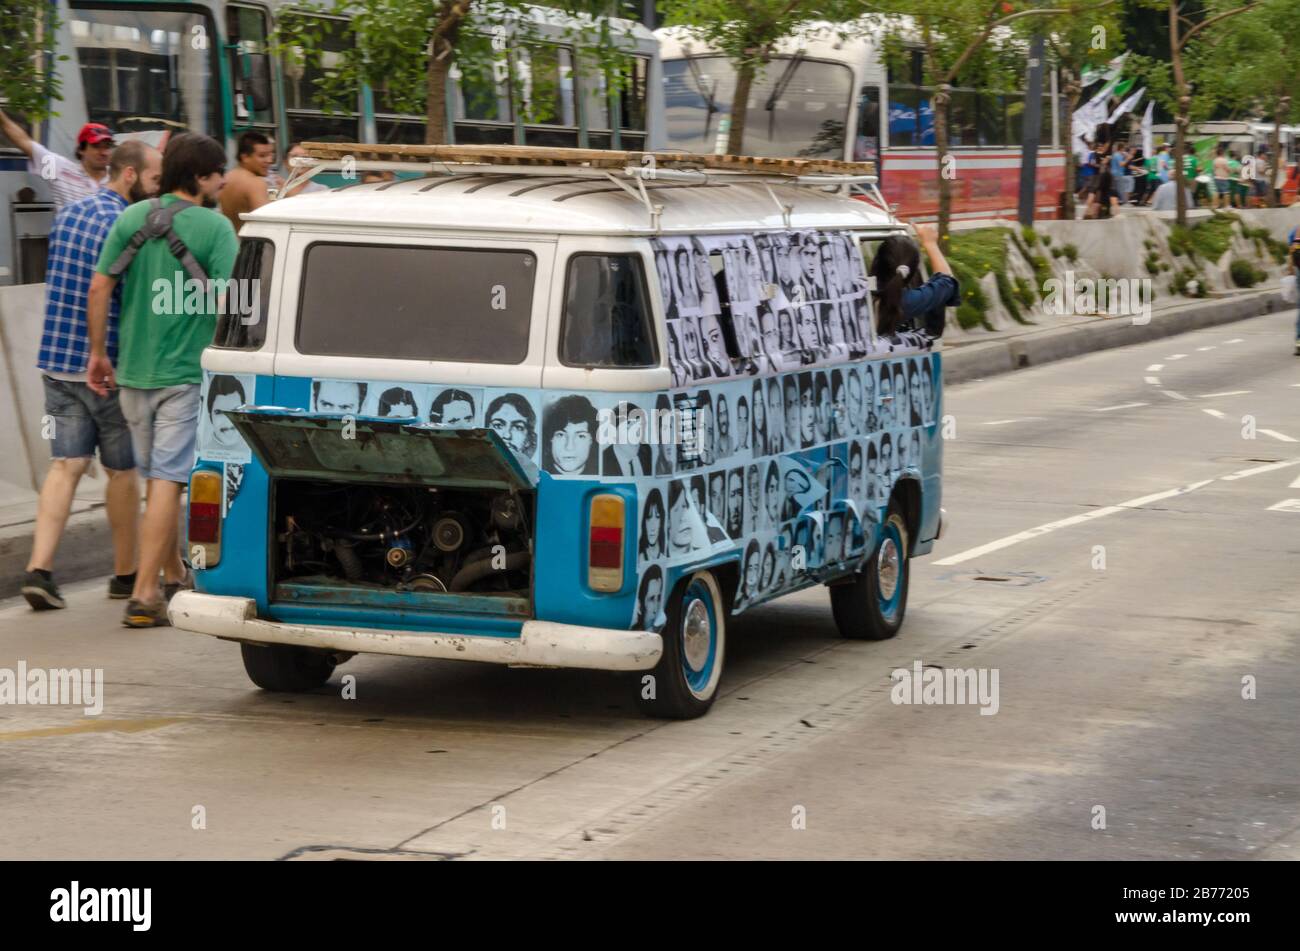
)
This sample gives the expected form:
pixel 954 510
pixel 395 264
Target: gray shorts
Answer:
pixel 83 422
pixel 164 425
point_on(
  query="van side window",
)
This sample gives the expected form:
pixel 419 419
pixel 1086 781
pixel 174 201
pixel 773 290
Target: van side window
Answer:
pixel 606 316
pixel 244 314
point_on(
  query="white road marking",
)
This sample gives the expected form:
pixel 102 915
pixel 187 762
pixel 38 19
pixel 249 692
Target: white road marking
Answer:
pixel 1003 422
pixel 1175 356
pixel 1236 340
pixel 1066 523
pixel 1015 539
pixel 1210 396
pixel 1295 484
pixel 1174 394
pixel 1286 505
pixel 1280 437
pixel 1107 409
pixel 1153 380
pixel 1247 473
pixel 1215 413
pixel 1203 349
pixel 1155 368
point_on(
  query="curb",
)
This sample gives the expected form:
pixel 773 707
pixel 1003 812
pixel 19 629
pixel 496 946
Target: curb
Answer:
pixel 977 360
pixel 87 547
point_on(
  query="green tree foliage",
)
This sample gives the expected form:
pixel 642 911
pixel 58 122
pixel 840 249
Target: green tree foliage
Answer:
pixel 28 83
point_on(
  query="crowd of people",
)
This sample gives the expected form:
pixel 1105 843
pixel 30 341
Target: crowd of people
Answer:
pixel 121 373
pixel 1116 173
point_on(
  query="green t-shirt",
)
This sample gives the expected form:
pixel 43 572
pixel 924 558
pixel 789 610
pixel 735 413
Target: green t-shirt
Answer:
pixel 166 319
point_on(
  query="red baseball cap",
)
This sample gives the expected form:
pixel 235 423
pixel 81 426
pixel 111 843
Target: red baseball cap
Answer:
pixel 92 133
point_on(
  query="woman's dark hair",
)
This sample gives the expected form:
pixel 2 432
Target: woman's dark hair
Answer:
pixel 656 500
pixel 394 396
pixel 523 408
pixel 568 409
pixel 895 251
pixel 189 157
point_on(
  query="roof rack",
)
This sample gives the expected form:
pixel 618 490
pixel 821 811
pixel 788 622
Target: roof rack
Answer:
pixel 628 170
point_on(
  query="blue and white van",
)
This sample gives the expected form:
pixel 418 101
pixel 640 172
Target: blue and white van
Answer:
pixel 560 416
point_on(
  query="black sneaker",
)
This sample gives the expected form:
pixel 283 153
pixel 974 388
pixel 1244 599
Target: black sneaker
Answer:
pixel 185 584
pixel 144 614
pixel 120 590
pixel 42 593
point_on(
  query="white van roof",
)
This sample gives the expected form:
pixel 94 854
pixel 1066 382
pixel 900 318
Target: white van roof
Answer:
pixel 557 205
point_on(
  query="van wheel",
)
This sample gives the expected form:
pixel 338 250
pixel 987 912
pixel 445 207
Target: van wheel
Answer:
pixel 870 607
pixel 286 669
pixel 686 678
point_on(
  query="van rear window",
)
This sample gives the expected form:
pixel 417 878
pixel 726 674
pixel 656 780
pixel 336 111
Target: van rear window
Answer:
pixel 416 302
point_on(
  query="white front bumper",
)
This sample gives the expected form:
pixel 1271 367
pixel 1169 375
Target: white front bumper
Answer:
pixel 541 643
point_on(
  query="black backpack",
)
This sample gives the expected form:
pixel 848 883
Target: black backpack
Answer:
pixel 158 224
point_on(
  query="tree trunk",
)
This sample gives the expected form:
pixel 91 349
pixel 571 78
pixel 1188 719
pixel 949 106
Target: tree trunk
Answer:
pixel 1072 93
pixel 1182 118
pixel 442 56
pixel 941 156
pixel 740 108
pixel 1280 109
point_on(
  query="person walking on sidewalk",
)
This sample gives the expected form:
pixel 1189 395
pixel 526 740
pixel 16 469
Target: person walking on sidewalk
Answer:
pixel 1222 179
pixel 82 422
pixel 158 366
pixel 69 181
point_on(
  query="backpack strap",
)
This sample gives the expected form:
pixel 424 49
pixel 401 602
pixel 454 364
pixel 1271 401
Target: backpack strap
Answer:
pixel 158 224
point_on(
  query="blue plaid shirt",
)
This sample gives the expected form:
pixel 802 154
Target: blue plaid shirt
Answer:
pixel 75 242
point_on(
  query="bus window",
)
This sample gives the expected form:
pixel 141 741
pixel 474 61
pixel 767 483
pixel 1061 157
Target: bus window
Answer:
pixel 546 94
pixel 141 71
pixel 798 108
pixel 246 30
pixel 482 104
pixel 866 144
pixel 606 315
pixel 632 103
pixel 307 122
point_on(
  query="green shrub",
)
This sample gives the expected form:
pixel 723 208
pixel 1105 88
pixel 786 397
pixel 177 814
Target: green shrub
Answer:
pixel 1071 253
pixel 1180 241
pixel 1026 293
pixel 1057 252
pixel 1152 264
pixel 1030 236
pixel 1182 277
pixel 1244 273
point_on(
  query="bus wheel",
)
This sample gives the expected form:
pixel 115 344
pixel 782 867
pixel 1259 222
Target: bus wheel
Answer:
pixel 286 669
pixel 684 683
pixel 871 606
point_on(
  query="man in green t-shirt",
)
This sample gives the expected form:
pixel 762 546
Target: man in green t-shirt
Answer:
pixel 167 318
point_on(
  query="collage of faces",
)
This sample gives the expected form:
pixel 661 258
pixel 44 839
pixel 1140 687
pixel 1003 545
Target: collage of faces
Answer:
pixel 741 305
pixel 793 469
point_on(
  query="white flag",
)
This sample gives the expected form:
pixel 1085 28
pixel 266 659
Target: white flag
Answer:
pixel 1109 72
pixel 1128 105
pixel 1148 138
pixel 1085 122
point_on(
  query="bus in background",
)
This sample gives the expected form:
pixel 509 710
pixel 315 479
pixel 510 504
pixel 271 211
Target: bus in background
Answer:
pixel 148 70
pixel 1241 138
pixel 825 96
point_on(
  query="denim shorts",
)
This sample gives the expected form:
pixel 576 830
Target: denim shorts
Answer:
pixel 164 425
pixel 83 421
pixel 1223 185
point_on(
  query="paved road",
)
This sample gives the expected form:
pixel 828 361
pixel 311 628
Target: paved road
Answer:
pixel 1120 684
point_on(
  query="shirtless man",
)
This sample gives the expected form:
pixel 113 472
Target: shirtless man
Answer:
pixel 245 188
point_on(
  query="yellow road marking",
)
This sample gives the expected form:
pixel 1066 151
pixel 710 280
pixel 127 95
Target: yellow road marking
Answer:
pixel 94 726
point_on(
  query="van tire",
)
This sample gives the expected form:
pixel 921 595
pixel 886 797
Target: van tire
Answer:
pixel 861 609
pixel 286 669
pixel 684 683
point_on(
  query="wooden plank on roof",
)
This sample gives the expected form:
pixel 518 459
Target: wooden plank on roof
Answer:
pixel 526 155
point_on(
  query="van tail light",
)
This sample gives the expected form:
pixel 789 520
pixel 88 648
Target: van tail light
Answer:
pixel 206 487
pixel 605 544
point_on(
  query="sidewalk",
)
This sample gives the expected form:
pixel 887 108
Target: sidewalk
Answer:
pixel 86 549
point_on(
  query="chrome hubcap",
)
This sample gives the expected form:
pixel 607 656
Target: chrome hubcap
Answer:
pixel 887 568
pixel 696 634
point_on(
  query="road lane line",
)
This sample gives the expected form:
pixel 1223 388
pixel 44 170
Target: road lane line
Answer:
pixel 1003 422
pixel 1107 409
pixel 1247 473
pixel 1236 340
pixel 1286 505
pixel 1155 368
pixel 1174 395
pixel 1153 380
pixel 1210 396
pixel 1039 530
pixel 1280 437
pixel 1214 412
pixel 94 726
pixel 1203 349
pixel 1176 356
pixel 1295 484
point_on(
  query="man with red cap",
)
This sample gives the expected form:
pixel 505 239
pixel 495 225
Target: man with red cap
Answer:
pixel 69 181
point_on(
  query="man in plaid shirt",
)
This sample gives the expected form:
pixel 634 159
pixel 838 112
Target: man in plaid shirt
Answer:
pixel 77 421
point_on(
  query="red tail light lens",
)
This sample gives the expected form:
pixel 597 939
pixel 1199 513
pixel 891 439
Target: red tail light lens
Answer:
pixel 605 543
pixel 204 548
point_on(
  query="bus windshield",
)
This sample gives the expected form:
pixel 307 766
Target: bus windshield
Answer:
pixel 146 69
pixel 798 108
